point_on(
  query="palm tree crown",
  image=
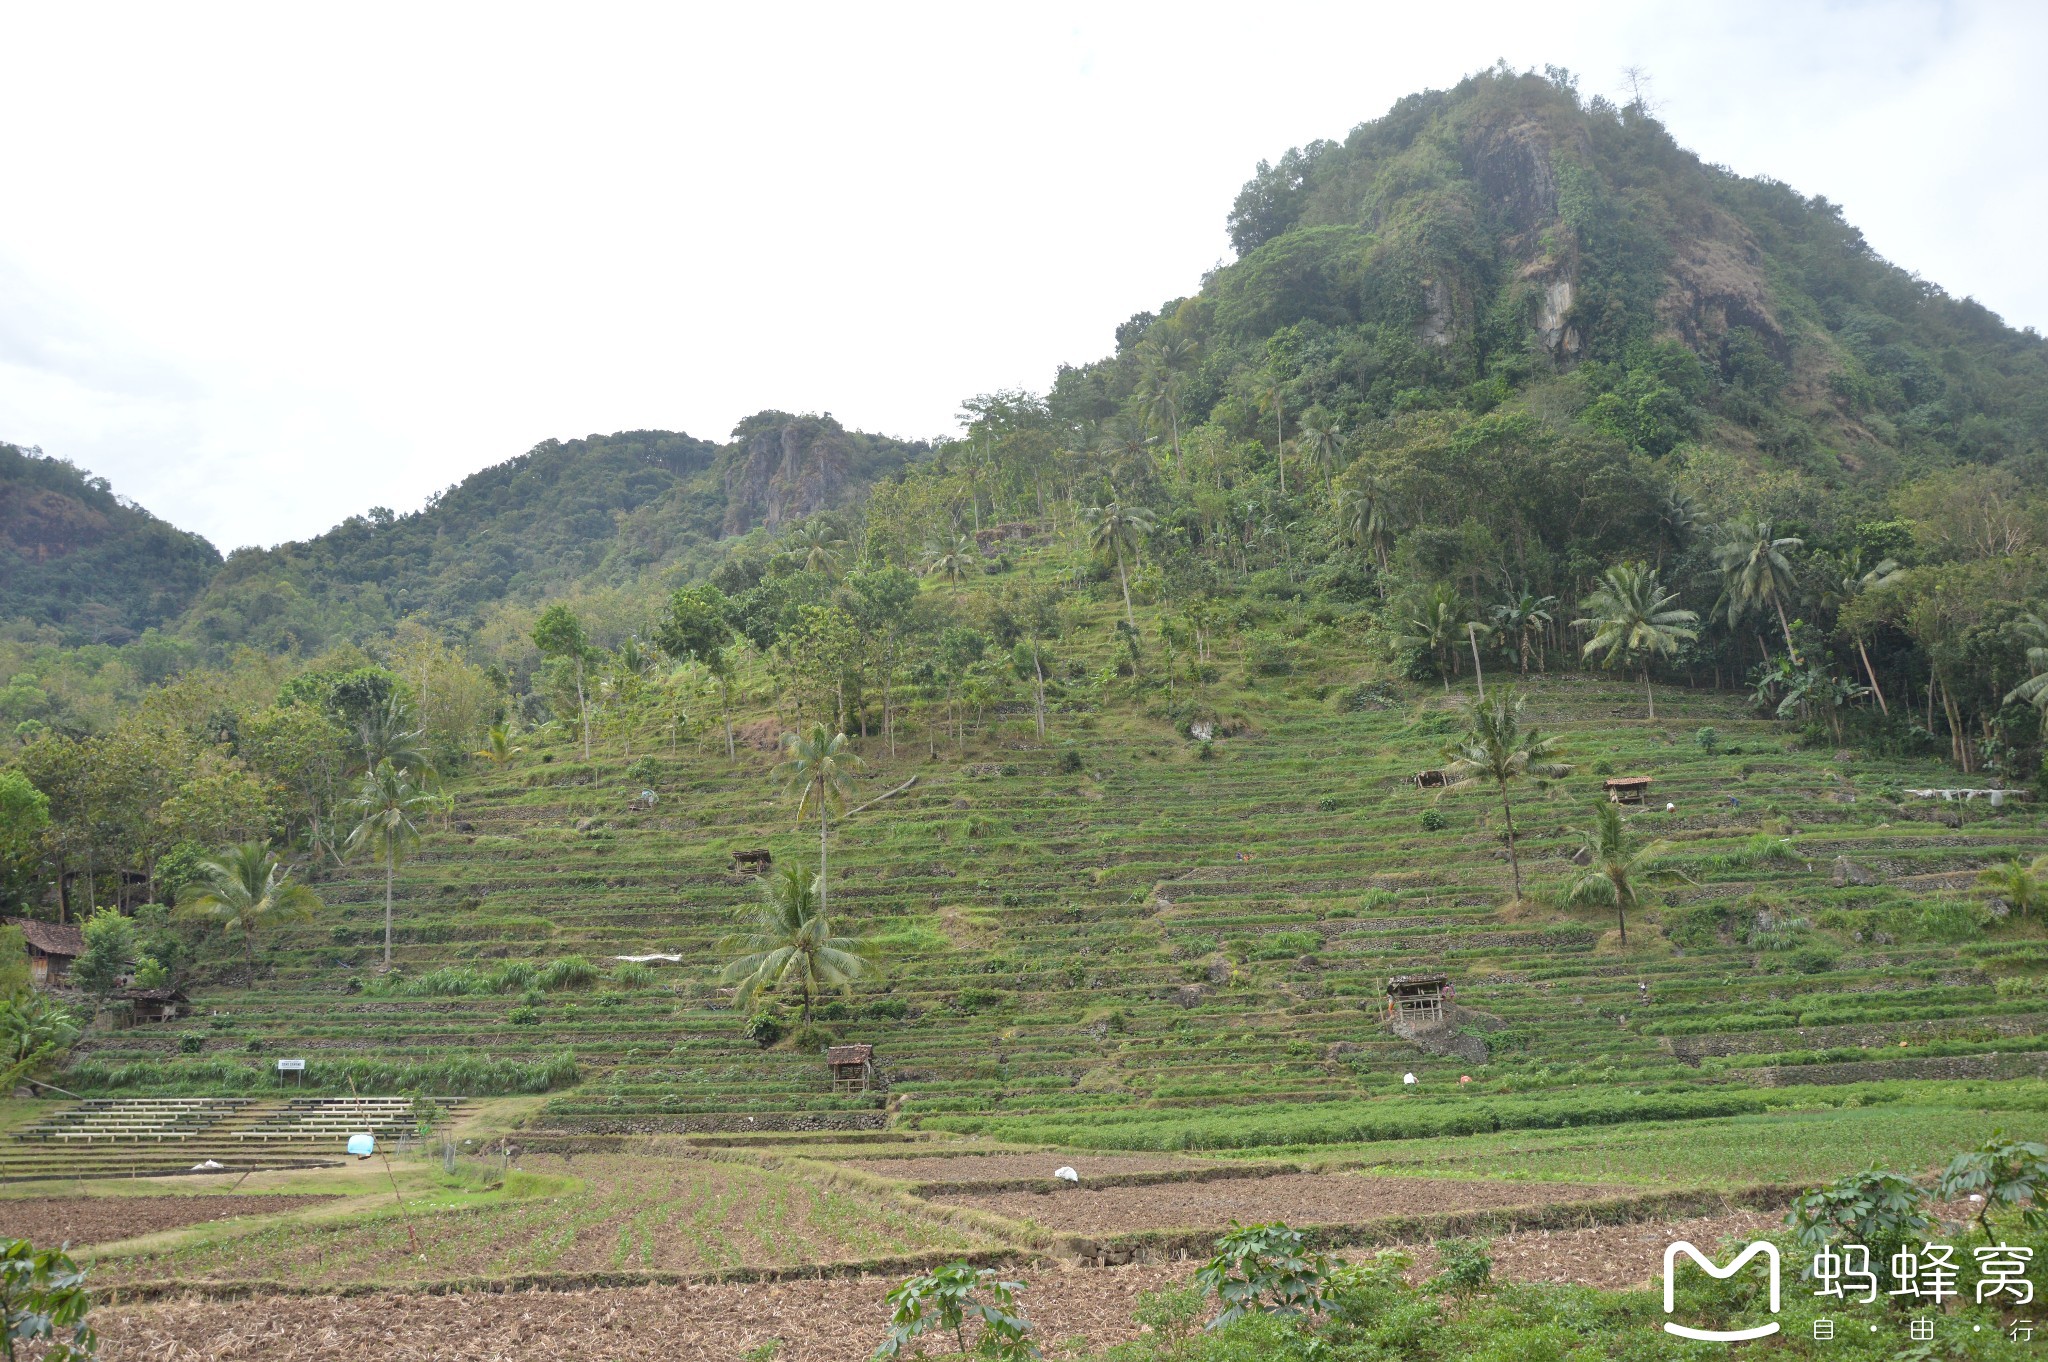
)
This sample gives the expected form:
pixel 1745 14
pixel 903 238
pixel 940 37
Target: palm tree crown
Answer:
pixel 1497 750
pixel 818 549
pixel 788 934
pixel 1632 616
pixel 1755 572
pixel 1113 528
pixel 244 890
pixel 1522 620
pixel 950 558
pixel 1615 860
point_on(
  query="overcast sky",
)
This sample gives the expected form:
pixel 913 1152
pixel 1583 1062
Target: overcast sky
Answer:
pixel 265 267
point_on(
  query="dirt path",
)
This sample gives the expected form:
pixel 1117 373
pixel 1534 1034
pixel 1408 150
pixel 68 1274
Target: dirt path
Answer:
pixel 1297 1198
pixel 103 1219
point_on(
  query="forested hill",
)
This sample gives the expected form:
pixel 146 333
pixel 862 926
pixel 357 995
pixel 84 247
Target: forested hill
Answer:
pixel 1474 243
pixel 76 556
pixel 599 509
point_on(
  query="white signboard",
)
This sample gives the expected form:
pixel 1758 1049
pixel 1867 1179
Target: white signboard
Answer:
pixel 290 1065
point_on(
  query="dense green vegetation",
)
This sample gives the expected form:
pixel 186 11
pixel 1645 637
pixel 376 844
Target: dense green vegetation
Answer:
pixel 1505 383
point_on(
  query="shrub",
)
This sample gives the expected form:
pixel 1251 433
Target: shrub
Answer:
pixel 523 1015
pixel 1463 1266
pixel 632 974
pixel 1433 820
pixel 813 1037
pixel 1813 960
pixel 767 1026
pixel 1263 1270
pixel 1950 922
pixel 1878 1209
pixel 888 1009
pixel 1707 739
pixel 571 971
pixel 947 1298
pixel 1070 762
pixel 191 1045
pixel 644 771
pixel 43 1295
pixel 976 999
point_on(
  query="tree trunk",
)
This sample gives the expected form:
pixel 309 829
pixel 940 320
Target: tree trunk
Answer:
pixel 1514 861
pixel 1280 443
pixel 249 949
pixel 1787 630
pixel 824 826
pixel 583 709
pixel 1472 637
pixel 1871 672
pixel 390 871
pixel 1648 694
pixel 1038 689
pixel 1125 581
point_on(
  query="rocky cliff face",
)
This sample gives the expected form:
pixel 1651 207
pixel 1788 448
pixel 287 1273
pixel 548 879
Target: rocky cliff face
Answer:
pixel 786 472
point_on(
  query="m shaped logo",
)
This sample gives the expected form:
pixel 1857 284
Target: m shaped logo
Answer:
pixel 1764 1247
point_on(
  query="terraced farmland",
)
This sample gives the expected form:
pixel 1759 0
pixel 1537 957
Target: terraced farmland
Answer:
pixel 1116 935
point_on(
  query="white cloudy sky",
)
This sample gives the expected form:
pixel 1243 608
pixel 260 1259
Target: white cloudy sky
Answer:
pixel 267 266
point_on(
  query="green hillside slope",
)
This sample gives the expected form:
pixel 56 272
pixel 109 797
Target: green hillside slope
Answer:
pixel 75 556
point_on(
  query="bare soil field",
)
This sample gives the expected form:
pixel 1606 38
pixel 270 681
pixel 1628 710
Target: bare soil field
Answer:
pixel 994 1167
pixel 103 1219
pixel 1620 1257
pixel 684 1215
pixel 816 1321
pixel 1297 1198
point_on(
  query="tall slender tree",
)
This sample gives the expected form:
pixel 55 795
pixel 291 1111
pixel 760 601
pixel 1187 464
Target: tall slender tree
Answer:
pixel 389 810
pixel 1497 750
pixel 1633 619
pixel 1520 620
pixel 1115 528
pixel 818 768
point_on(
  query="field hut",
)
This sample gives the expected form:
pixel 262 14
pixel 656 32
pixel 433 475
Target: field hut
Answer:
pixel 1627 789
pixel 1418 999
pixel 853 1067
pixel 154 1004
pixel 51 949
pixel 755 862
pixel 1431 780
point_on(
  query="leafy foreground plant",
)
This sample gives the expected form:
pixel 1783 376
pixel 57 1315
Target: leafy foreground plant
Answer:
pixel 946 1299
pixel 1264 1270
pixel 1883 1211
pixel 42 1294
pixel 2004 1173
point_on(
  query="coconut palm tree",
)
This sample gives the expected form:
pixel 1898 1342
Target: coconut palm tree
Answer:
pixel 498 748
pixel 2022 885
pixel 818 768
pixel 1844 584
pixel 391 733
pixel 389 810
pixel 2033 630
pixel 1322 443
pixel 1437 625
pixel 1614 862
pixel 1521 620
pixel 950 558
pixel 1755 572
pixel 1127 439
pixel 1366 519
pixel 35 1030
pixel 1114 527
pixel 1497 750
pixel 787 935
pixel 818 549
pixel 244 890
pixel 1633 617
pixel 1678 516
pixel 1166 361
